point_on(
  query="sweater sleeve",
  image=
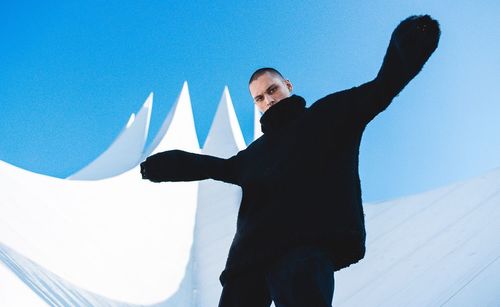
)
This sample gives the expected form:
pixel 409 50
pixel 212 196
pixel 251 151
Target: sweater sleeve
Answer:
pixel 411 45
pixel 178 165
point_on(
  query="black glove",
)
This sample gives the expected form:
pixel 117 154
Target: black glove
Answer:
pixel 172 165
pixel 412 43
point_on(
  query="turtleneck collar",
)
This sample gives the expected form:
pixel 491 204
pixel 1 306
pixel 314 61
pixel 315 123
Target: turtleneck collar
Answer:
pixel 282 113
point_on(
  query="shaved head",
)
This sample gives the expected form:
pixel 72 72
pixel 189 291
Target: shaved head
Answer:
pixel 259 72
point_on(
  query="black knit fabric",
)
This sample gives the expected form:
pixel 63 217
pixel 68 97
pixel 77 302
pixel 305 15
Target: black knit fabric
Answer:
pixel 283 113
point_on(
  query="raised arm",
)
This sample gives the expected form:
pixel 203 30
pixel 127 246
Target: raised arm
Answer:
pixel 178 165
pixel 412 43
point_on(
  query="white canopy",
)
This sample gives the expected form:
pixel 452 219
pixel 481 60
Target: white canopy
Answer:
pixel 108 238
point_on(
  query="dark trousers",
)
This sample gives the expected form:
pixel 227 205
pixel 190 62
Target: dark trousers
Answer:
pixel 301 278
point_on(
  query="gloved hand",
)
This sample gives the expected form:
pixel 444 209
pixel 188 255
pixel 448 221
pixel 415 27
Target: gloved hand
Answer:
pixel 165 166
pixel 412 43
pixel 173 165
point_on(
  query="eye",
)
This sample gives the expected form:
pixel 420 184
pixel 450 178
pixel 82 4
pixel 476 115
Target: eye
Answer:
pixel 271 90
pixel 258 99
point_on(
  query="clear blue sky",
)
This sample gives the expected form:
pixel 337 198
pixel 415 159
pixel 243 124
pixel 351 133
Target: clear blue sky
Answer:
pixel 71 72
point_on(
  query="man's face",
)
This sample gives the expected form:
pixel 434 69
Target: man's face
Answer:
pixel 269 89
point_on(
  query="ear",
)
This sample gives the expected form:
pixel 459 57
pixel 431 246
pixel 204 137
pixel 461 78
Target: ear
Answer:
pixel 289 85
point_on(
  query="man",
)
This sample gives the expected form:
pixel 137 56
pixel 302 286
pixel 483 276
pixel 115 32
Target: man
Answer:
pixel 301 215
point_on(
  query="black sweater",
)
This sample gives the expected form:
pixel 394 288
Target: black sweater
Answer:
pixel 300 179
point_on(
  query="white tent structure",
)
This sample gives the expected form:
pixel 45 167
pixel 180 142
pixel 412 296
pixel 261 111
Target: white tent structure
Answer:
pixel 104 237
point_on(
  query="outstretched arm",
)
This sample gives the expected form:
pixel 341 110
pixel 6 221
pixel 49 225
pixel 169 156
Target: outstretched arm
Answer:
pixel 412 43
pixel 178 165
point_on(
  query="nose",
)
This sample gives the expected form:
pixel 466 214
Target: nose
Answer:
pixel 270 100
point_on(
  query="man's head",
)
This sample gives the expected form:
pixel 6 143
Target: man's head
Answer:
pixel 268 87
